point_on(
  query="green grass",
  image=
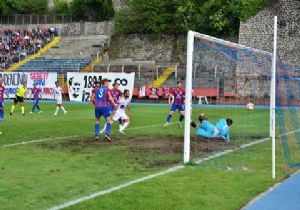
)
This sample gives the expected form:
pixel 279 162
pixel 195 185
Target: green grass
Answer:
pixel 45 174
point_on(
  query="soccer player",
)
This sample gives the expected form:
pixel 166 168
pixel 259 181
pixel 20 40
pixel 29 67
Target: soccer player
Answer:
pixel 208 130
pixel 2 91
pixel 120 113
pixel 102 97
pixel 115 94
pixel 58 95
pixel 177 99
pixel 37 94
pixel 20 97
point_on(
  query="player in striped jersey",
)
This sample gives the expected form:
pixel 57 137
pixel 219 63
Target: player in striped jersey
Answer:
pixel 102 97
pixel 2 92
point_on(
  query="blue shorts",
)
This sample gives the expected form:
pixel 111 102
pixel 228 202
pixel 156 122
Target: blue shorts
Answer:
pixel 102 111
pixel 111 108
pixel 36 102
pixel 1 104
pixel 179 107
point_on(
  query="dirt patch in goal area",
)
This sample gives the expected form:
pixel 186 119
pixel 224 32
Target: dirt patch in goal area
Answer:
pixel 143 144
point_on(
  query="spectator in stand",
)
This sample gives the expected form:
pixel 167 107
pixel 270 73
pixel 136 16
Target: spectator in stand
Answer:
pixel 17 44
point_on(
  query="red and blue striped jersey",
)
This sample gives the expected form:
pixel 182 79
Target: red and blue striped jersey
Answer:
pixel 2 90
pixel 101 97
pixel 36 93
pixel 115 94
pixel 179 94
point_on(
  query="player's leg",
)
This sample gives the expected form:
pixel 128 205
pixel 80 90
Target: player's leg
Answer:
pixel 37 105
pixel 13 106
pixel 169 117
pixel 1 111
pixel 22 107
pixel 63 109
pixel 112 113
pixel 97 122
pixel 1 114
pixel 57 109
pixel 106 115
pixel 33 106
pixel 181 116
pixel 126 123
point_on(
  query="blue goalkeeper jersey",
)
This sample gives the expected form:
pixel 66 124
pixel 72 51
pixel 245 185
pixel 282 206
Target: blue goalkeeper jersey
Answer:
pixel 223 129
pixel 206 129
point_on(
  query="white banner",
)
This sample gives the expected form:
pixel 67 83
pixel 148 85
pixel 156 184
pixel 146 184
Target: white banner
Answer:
pixel 45 81
pixel 80 85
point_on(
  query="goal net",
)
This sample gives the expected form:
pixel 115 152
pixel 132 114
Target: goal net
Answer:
pixel 235 81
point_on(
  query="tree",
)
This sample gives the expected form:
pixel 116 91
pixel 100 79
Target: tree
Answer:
pixel 92 10
pixel 214 17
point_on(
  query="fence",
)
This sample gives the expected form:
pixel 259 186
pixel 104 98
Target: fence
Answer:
pixel 21 19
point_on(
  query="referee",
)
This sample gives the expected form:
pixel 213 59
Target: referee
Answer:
pixel 20 97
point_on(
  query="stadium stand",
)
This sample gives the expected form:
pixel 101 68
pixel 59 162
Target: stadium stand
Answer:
pixel 72 53
pixel 15 45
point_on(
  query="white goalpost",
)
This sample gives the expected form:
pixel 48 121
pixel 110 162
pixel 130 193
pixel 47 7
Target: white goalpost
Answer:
pixel 191 37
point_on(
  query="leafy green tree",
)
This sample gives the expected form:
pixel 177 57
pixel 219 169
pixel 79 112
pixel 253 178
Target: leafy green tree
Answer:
pixel 23 7
pixel 92 10
pixel 61 7
pixel 214 17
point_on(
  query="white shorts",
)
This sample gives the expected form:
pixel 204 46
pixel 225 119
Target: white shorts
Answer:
pixel 120 114
pixel 59 101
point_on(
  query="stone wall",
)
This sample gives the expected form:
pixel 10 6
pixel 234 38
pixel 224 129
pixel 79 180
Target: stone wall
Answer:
pixel 72 29
pixel 257 32
pixel 168 49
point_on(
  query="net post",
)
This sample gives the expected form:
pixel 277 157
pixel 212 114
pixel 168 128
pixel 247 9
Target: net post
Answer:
pixel 273 93
pixel 188 96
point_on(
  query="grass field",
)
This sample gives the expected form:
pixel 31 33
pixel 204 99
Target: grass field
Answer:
pixel 67 164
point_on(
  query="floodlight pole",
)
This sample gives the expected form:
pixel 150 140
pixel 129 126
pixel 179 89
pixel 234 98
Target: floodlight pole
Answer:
pixel 188 96
pixel 273 98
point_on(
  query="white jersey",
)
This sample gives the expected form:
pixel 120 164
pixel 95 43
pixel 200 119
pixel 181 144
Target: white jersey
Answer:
pixel 120 112
pixel 122 104
pixel 58 92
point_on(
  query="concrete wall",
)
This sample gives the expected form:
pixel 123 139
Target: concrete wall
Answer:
pixel 72 29
pixel 257 32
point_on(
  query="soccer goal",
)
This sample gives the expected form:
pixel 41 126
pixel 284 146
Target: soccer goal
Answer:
pixel 239 84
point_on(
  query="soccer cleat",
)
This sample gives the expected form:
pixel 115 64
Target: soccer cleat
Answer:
pixel 102 131
pixel 55 114
pixel 65 112
pixel 1 133
pixel 30 112
pixel 166 125
pixel 23 114
pixel 96 138
pixel 40 112
pixel 10 113
pixel 121 131
pixel 107 137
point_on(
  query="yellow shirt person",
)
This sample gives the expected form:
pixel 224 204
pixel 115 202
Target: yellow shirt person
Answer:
pixel 20 97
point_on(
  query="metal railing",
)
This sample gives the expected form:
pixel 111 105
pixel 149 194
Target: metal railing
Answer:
pixel 24 19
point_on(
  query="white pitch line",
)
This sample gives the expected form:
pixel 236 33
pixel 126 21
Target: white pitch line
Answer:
pixel 74 136
pixel 176 168
pixel 39 140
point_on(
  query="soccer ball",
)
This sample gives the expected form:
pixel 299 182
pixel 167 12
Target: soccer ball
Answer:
pixel 250 106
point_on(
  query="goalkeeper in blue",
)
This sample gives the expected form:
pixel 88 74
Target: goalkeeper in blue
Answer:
pixel 208 130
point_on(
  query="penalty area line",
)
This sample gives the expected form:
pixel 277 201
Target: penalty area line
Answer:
pixel 173 169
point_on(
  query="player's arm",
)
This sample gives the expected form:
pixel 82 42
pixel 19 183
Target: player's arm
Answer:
pixel 111 99
pixel 171 98
pixel 41 95
pixel 92 97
